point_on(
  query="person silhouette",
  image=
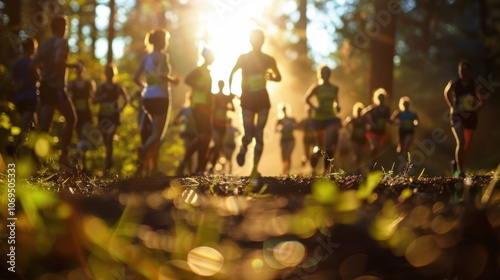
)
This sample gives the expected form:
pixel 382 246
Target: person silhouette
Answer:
pixel 200 82
pixel 154 79
pixel 82 91
pixel 107 96
pixel 188 133
pixel 324 116
pixel 379 116
pixel 256 69
pixel 52 59
pixel 357 124
pixel 229 143
pixel 24 80
pixel 222 103
pixel 309 138
pixel 406 121
pixel 463 98
pixel 286 125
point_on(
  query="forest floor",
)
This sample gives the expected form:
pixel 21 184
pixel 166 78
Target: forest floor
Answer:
pixel 340 226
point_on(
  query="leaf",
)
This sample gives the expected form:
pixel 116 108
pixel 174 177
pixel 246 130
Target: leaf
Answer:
pixel 372 181
pixel 325 191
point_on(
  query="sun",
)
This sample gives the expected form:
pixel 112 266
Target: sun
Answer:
pixel 225 30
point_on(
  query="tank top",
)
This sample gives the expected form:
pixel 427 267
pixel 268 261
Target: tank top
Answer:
pixel 407 120
pixel 25 80
pixel 465 98
pixel 202 95
pixel 220 108
pixel 80 94
pixel 287 127
pixel 325 96
pixel 380 115
pixel 156 64
pixel 358 127
pixel 109 105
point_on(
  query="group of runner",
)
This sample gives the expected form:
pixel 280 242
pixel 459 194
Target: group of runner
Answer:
pixel 205 114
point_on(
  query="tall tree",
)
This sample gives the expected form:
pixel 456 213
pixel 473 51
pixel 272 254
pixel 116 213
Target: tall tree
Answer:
pixel 383 44
pixel 111 30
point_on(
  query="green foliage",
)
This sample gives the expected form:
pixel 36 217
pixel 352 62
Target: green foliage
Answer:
pixel 325 191
pixel 368 186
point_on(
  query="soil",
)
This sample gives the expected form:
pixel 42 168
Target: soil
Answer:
pixel 268 228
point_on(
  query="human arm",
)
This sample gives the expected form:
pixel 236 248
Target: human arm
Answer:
pixel 274 74
pixel 236 67
pixel 126 98
pixel 138 76
pixel 449 92
pixel 309 95
pixel 394 117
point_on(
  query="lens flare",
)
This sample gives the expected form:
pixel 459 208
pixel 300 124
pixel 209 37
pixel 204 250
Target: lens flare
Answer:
pixel 205 261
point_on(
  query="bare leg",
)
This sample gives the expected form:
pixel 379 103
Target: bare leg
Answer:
pixel 67 110
pixel 458 132
pixel 259 138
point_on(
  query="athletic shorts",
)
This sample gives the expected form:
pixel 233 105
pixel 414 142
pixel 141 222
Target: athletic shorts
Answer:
pixel 403 133
pixel 107 123
pixel 155 106
pixel 255 101
pixel 324 124
pixel 28 105
pixel 51 95
pixel 467 119
pixel 83 117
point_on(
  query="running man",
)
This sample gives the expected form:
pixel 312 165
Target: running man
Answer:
pixel 222 103
pixel 82 91
pixel 406 121
pixel 463 98
pixel 25 81
pixel 107 96
pixel 324 116
pixel 154 79
pixel 200 82
pixel 379 116
pixel 229 144
pixel 309 139
pixel 256 69
pixel 286 125
pixel 358 126
pixel 52 58
pixel 188 132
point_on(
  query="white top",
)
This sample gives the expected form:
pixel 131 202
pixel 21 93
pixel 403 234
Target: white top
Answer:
pixel 156 68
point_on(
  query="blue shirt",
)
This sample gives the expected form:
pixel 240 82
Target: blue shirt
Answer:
pixel 25 80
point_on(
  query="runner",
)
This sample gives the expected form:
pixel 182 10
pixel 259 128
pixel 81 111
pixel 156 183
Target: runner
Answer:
pixel 256 69
pixel 286 125
pixel 188 131
pixel 25 82
pixel 309 139
pixel 82 91
pixel 462 96
pixel 357 124
pixel 52 58
pixel 379 116
pixel 200 82
pixel 325 119
pixel 107 96
pixel 407 121
pixel 153 77
pixel 230 143
pixel 222 103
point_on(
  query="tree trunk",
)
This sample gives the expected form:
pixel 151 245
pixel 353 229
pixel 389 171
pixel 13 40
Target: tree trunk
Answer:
pixel 111 30
pixel 93 31
pixel 483 18
pixel 383 37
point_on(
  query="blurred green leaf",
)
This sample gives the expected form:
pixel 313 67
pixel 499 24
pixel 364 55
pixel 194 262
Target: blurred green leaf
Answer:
pixel 325 191
pixel 372 181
